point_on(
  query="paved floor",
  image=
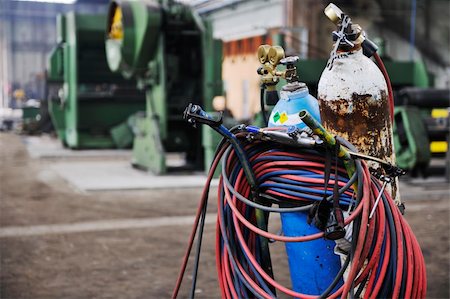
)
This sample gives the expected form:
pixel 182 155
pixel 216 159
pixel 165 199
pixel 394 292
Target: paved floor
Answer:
pixel 98 170
pixel 120 175
pixel 47 147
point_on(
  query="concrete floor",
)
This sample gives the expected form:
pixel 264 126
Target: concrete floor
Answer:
pixel 101 170
pixel 61 241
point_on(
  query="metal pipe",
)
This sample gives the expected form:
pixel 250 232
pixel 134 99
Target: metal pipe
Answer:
pixel 320 131
pixel 328 139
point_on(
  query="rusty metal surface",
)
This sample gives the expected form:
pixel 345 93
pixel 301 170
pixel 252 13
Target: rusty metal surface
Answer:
pixel 365 122
pixel 361 120
pixel 354 104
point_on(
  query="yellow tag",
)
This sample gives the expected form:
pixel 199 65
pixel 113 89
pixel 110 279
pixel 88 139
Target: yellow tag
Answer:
pixel 439 113
pixel 438 146
pixel 283 117
pixel 116 31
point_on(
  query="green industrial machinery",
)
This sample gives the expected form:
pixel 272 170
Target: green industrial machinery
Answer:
pixel 30 118
pixel 86 100
pixel 410 139
pixel 421 128
pixel 169 51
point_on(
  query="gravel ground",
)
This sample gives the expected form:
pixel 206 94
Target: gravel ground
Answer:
pixel 139 262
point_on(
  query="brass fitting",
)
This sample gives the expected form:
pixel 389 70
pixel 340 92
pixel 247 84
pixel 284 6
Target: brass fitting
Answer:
pixel 275 54
pixel 263 52
pixel 333 13
pixel 349 36
pixel 270 57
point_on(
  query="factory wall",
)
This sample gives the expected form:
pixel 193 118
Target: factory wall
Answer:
pixel 239 67
pixel 27 35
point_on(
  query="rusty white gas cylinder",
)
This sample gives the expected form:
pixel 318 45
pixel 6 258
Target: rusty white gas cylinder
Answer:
pixel 353 101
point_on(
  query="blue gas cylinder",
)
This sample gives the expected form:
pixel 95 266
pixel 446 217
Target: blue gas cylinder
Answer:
pixel 294 97
pixel 313 265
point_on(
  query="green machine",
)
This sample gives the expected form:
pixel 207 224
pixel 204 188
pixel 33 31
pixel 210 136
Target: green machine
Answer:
pixel 86 100
pixel 171 54
pixel 422 128
pixel 30 118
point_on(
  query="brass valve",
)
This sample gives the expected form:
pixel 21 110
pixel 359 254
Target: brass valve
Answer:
pixel 270 57
pixel 348 36
pixel 333 13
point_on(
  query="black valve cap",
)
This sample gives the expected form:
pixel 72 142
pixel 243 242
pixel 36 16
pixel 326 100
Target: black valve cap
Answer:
pixel 402 208
pixel 272 97
pixel 334 230
pixel 369 47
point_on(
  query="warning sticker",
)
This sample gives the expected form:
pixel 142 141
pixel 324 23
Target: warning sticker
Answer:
pixel 276 117
pixel 283 118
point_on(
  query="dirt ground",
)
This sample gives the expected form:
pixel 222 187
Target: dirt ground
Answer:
pixel 135 262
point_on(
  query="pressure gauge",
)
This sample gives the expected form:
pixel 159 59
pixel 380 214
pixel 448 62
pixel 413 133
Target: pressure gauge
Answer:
pixel 263 51
pixel 276 53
